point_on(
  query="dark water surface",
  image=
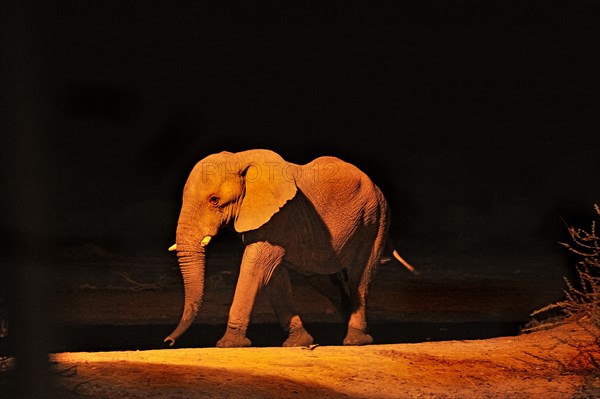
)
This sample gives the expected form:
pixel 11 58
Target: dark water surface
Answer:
pixel 87 338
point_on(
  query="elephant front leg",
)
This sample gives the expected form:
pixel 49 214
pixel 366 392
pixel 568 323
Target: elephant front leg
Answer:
pixel 279 290
pixel 258 262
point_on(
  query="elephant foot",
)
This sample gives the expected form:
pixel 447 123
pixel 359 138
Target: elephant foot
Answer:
pixel 298 336
pixel 357 337
pixel 234 339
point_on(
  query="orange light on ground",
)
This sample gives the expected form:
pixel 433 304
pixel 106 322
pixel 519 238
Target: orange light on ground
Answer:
pixel 465 369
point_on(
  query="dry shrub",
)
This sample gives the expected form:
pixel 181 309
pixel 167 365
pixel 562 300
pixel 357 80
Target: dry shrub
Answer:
pixel 581 305
pixel 582 297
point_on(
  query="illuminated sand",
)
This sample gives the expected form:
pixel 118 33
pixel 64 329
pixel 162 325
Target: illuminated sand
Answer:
pixel 506 367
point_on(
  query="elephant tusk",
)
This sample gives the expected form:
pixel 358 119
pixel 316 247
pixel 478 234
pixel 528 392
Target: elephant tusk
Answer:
pixel 404 263
pixel 204 243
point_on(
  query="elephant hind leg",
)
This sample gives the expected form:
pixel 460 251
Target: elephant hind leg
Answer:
pixel 360 264
pixel 357 324
pixel 359 278
pixel 279 291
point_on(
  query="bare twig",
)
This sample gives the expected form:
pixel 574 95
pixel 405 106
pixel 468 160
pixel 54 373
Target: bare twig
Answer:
pixel 138 286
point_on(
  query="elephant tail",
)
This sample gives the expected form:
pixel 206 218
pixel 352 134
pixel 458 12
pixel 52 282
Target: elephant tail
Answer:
pixel 404 263
pixel 399 258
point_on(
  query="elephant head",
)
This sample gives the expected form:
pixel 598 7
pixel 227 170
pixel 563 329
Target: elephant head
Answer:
pixel 243 190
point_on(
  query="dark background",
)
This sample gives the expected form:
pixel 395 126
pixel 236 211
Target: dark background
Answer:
pixel 479 122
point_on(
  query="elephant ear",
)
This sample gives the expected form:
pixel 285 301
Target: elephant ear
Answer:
pixel 269 184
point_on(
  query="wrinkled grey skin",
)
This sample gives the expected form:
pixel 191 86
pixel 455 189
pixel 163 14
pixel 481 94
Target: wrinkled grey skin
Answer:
pixel 326 219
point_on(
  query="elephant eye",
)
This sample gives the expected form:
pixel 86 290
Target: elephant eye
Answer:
pixel 214 200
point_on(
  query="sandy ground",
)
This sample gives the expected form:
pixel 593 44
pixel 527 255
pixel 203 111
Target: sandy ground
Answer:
pixel 539 364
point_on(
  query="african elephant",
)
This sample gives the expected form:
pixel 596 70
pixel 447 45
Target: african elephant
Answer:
pixel 326 219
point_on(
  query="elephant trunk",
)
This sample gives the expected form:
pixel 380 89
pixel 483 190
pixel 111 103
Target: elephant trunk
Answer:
pixel 192 264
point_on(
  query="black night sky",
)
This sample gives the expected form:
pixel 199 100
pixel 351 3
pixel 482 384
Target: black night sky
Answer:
pixel 479 122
